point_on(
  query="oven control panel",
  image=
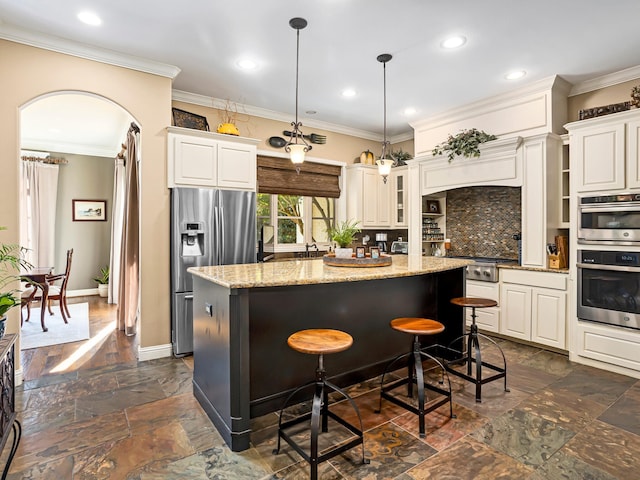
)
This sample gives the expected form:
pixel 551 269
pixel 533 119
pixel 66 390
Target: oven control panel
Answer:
pixel 598 257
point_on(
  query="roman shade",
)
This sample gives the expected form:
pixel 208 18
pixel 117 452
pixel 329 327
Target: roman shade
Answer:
pixel 279 176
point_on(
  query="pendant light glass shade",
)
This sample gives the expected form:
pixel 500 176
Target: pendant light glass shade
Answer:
pixel 296 146
pixel 384 164
pixel 297 152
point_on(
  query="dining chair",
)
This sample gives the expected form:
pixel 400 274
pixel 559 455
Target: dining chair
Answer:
pixel 59 292
pixel 27 295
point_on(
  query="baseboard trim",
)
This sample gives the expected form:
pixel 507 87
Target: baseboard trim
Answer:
pixel 18 377
pixel 157 351
pixel 82 293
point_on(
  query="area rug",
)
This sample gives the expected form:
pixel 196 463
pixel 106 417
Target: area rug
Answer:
pixel 59 332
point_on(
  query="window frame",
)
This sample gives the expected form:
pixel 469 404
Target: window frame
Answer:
pixel 307 218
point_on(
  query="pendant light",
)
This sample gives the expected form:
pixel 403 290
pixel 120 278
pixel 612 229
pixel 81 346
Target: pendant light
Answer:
pixel 384 164
pixel 296 146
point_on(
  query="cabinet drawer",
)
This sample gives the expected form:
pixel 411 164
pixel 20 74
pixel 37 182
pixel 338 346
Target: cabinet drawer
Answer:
pixel 557 281
pixel 611 345
pixel 483 290
pixel 487 319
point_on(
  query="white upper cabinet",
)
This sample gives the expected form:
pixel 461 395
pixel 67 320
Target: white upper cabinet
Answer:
pixel 368 197
pixel 399 183
pixel 605 153
pixel 204 159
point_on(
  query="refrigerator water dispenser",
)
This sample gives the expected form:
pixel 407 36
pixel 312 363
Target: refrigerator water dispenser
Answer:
pixel 192 240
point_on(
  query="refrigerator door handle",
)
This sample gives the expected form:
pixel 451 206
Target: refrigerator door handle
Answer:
pixel 216 228
pixel 221 246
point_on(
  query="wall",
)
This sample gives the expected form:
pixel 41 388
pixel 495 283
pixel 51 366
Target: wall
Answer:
pixel 83 178
pixel 345 148
pixel 599 98
pixel 28 72
pixel 481 221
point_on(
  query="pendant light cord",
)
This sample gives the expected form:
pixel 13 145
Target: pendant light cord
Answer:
pixel 297 68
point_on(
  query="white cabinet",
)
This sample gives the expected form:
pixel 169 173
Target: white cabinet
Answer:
pixel 618 347
pixel 204 159
pixel 368 197
pixel 399 184
pixel 487 319
pixel 605 152
pixel 534 306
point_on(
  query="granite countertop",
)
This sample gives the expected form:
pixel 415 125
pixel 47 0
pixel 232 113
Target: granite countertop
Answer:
pixel 306 272
pixel 532 269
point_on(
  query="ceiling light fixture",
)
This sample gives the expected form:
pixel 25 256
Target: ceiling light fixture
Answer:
pixel 384 163
pixel 247 64
pixel 293 147
pixel 409 111
pixel 453 42
pixel 89 18
pixel 349 93
pixel 515 75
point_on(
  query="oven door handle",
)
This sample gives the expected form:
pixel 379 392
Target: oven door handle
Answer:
pixel 612 268
pixel 627 208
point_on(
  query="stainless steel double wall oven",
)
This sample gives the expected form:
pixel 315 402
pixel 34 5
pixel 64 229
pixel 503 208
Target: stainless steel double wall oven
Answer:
pixel 609 280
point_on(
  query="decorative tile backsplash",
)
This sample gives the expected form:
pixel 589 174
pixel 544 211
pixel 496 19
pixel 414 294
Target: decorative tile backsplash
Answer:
pixel 481 221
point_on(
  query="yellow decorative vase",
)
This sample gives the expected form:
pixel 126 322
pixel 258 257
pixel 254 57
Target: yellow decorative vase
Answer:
pixel 228 129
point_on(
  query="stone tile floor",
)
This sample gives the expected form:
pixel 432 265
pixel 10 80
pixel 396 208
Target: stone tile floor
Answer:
pixel 559 421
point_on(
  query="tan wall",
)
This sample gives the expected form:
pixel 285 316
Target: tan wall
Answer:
pixel 599 98
pixel 345 148
pixel 29 72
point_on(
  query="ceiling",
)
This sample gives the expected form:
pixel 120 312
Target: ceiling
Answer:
pixel 577 39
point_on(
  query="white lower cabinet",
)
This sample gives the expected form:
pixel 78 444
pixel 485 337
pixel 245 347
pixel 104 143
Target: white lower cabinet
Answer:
pixel 487 319
pixel 534 306
pixel 613 345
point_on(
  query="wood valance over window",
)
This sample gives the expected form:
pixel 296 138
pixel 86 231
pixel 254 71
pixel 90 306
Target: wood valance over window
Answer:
pixel 278 175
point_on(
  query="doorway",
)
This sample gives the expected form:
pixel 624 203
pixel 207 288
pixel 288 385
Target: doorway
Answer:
pixel 86 131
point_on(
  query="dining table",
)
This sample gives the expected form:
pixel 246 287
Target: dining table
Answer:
pixel 38 278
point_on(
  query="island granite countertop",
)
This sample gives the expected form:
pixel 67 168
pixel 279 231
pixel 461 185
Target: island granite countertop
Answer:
pixel 306 272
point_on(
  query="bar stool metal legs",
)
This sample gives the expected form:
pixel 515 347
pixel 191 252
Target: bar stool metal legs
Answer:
pixel 474 354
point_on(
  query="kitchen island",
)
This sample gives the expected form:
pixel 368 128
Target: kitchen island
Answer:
pixel 243 315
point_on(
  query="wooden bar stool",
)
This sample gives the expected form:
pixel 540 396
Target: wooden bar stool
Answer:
pixel 320 342
pixel 474 355
pixel 415 371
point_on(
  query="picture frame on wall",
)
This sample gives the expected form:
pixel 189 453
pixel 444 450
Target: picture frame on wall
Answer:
pixel 433 206
pixel 182 118
pixel 89 210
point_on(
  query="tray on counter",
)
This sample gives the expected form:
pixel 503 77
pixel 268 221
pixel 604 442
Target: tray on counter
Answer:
pixel 383 260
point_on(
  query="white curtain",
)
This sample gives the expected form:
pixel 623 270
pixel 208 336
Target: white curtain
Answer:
pixel 129 294
pixel 117 226
pixel 38 196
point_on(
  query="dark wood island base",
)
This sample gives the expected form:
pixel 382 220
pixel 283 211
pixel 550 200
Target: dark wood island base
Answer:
pixel 243 367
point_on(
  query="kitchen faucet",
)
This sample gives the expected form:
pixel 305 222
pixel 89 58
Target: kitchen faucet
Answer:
pixel 307 247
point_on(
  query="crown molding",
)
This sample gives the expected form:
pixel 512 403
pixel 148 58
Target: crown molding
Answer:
pixel 68 147
pixel 102 55
pixel 608 80
pixel 212 102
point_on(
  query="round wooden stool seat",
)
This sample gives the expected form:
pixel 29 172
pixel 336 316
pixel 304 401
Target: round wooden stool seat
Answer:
pixel 318 341
pixel 473 302
pixel 417 326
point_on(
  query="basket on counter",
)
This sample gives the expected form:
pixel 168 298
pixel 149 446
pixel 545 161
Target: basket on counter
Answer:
pixel 383 260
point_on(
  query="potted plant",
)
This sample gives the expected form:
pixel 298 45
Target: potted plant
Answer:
pixel 464 143
pixel 11 261
pixel 103 281
pixel 343 234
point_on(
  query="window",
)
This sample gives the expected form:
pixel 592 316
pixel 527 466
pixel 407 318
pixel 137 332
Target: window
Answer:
pixel 297 220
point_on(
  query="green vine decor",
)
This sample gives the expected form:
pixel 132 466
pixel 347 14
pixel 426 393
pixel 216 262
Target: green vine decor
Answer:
pixel 465 143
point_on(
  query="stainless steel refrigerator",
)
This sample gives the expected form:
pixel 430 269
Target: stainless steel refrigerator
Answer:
pixel 208 227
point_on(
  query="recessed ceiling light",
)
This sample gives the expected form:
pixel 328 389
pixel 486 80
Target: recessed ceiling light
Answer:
pixel 515 75
pixel 89 18
pixel 349 92
pixel 409 111
pixel 310 112
pixel 247 64
pixel 453 42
